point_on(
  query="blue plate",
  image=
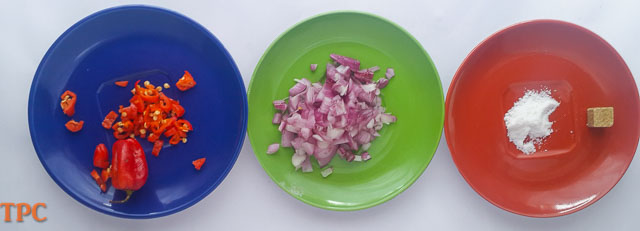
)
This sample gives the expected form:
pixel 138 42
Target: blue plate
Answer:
pixel 132 43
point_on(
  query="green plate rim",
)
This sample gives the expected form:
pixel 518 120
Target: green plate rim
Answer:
pixel 431 153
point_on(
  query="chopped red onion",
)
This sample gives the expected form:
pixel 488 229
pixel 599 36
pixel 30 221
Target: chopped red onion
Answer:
pixel 287 137
pixel 340 116
pixel 280 105
pixel 297 159
pixel 297 89
pixel 306 165
pixel 277 118
pixel 314 67
pixel 273 148
pixel 357 158
pixel 366 156
pixel 354 64
pixel 325 173
pixel 382 82
pixel 390 73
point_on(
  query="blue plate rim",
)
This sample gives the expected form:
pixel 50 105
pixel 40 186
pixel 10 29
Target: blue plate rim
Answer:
pixel 196 25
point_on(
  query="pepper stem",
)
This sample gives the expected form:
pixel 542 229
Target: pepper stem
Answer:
pixel 129 192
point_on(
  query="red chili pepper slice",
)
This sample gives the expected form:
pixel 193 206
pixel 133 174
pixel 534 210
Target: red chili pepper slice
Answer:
pixel 68 103
pixel 137 100
pixel 101 156
pixel 101 184
pixel 105 174
pixel 157 146
pixel 165 124
pixel 198 163
pixel 177 109
pixel 175 139
pixel 184 125
pixel 109 119
pixel 74 126
pixel 128 113
pixel 122 130
pixel 122 83
pixel 186 82
pixel 129 170
pixel 165 103
pixel 170 132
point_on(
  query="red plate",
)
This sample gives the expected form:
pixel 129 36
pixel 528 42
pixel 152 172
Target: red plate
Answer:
pixel 580 164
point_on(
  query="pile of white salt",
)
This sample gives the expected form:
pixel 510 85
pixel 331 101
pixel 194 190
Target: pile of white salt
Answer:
pixel 528 120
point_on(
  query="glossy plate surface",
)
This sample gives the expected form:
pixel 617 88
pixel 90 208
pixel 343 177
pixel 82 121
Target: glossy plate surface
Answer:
pixel 405 148
pixel 576 165
pixel 132 43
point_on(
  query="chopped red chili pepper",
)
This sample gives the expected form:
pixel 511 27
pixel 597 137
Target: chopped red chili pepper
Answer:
pixel 122 83
pixel 128 113
pixel 122 130
pixel 151 114
pixel 165 103
pixel 105 174
pixel 165 124
pixel 177 109
pixel 101 184
pixel 186 82
pixel 198 163
pixel 109 119
pixel 74 126
pixel 170 132
pixel 175 139
pixel 68 103
pixel 101 156
pixel 137 100
pixel 157 146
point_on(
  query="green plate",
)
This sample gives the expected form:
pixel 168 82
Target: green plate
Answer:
pixel 414 95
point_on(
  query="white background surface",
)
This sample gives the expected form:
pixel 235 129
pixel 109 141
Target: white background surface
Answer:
pixel 247 199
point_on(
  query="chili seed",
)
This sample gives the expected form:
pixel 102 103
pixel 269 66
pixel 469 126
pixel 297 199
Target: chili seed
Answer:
pixel 166 85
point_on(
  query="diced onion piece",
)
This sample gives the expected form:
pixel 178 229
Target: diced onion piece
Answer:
pixel 297 159
pixel 273 148
pixel 366 156
pixel 390 73
pixel 276 118
pixel 326 172
pixel 366 146
pixel 313 67
pixel 354 64
pixel 280 105
pixel 306 166
pixel 382 82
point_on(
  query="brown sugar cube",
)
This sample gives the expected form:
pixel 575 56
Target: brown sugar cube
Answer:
pixel 600 117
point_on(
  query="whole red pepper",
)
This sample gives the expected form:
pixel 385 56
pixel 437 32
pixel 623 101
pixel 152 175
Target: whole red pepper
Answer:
pixel 129 170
